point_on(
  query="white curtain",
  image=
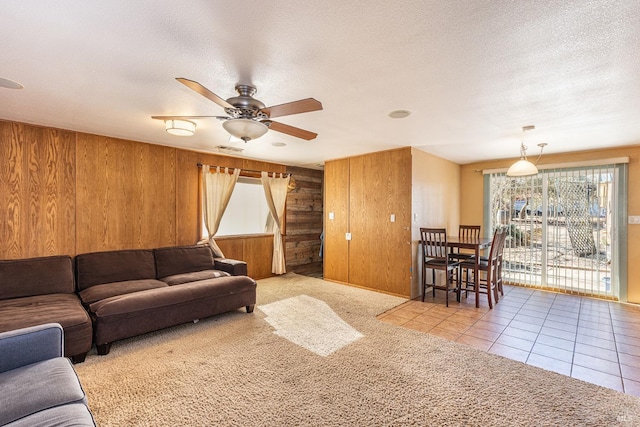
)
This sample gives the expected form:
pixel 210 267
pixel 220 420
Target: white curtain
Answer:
pixel 216 192
pixel 275 190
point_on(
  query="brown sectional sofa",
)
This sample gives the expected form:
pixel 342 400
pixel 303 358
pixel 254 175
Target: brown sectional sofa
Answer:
pixel 35 291
pixel 132 292
pixel 119 294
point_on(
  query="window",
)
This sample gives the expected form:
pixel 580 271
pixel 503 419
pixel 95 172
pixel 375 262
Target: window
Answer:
pixel 247 211
pixel 562 227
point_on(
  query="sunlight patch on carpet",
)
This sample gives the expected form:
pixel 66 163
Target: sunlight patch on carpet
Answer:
pixel 310 323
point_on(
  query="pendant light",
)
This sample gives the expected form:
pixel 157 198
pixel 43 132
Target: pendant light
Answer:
pixel 524 167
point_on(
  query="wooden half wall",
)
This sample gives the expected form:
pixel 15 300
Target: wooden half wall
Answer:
pixel 67 192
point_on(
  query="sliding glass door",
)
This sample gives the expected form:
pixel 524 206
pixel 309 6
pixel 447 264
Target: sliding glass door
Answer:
pixel 562 227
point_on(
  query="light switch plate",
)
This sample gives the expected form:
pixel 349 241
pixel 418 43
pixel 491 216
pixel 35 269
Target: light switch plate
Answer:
pixel 331 215
pixel 634 219
pixel 347 236
pixel 393 218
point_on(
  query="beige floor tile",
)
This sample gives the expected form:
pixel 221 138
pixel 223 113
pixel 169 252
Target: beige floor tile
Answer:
pixel 597 377
pixel 445 333
pixel 394 320
pixel 475 342
pixel 509 352
pixel 482 333
pixel 419 326
pixel 549 364
pixel 593 340
pixel 453 326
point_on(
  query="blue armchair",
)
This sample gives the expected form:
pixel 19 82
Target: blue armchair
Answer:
pixel 38 385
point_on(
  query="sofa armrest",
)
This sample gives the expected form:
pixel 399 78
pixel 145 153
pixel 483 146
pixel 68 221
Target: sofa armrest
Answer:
pixel 231 266
pixel 25 346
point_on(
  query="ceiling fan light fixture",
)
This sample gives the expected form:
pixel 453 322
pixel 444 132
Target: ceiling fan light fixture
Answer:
pixel 245 129
pixel 180 127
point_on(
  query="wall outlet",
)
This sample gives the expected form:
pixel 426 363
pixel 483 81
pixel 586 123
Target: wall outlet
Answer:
pixel 347 236
pixel 331 215
pixel 634 219
pixel 393 218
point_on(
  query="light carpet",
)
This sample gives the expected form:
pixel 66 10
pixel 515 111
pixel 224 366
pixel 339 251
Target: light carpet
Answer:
pixel 235 370
pixel 310 323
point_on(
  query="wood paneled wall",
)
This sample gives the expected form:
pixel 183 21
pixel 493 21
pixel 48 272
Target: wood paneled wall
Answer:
pixel 336 220
pixel 37 190
pixel 304 221
pixel 126 194
pixel 378 256
pixel 66 192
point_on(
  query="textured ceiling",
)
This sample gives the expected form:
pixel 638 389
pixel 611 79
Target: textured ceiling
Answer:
pixel 471 72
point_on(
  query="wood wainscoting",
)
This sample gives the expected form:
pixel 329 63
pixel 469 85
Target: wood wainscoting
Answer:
pixel 256 250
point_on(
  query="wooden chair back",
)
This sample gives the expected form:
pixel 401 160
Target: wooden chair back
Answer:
pixel 469 231
pixel 434 243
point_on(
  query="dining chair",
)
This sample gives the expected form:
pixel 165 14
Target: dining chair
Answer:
pixel 465 232
pixel 491 266
pixel 435 256
pixel 498 279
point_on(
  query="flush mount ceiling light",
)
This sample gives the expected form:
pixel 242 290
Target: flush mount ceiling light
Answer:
pixel 180 127
pixel 278 144
pixel 399 114
pixel 245 129
pixel 10 84
pixel 524 167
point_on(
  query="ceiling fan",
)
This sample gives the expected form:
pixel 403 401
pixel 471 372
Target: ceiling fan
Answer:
pixel 247 118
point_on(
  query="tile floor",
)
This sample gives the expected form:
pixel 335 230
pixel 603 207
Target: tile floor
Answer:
pixel 594 340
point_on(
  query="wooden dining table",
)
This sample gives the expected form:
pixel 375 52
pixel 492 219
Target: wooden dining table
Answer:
pixel 476 244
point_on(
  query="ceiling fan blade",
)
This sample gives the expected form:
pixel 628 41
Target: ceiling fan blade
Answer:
pixel 295 107
pixel 188 117
pixel 293 131
pixel 197 87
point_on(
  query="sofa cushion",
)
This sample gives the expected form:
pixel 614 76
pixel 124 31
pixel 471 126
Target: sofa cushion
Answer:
pixel 183 259
pixel 57 384
pixel 107 290
pixel 178 279
pixel 222 287
pixel 130 305
pixel 97 268
pixel 30 311
pixel 36 276
pixel 64 309
pixel 74 414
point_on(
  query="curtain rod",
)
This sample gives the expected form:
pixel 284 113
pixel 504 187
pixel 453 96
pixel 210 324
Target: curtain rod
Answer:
pixel 584 163
pixel 244 170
